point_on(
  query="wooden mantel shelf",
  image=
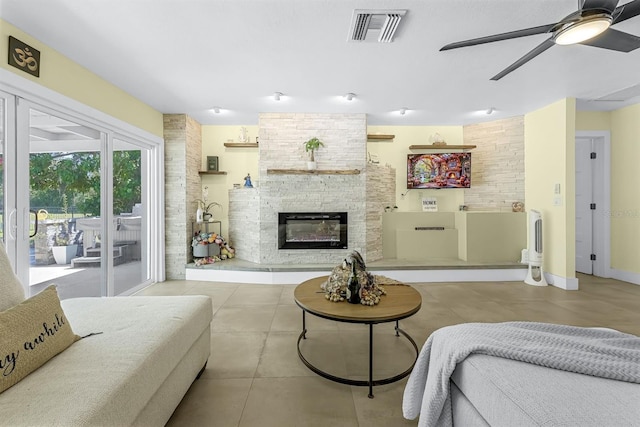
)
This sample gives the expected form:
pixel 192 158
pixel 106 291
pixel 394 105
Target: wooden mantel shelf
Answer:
pixel 313 172
pixel 441 147
pixel 212 172
pixel 241 144
pixel 379 137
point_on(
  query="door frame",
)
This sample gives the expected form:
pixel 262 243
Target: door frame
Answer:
pixel 10 213
pixel 20 87
pixel 602 216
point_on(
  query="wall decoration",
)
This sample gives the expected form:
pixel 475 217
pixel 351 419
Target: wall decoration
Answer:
pixel 212 163
pixel 24 57
pixel 429 204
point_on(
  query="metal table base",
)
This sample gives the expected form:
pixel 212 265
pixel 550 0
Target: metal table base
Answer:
pixel 371 382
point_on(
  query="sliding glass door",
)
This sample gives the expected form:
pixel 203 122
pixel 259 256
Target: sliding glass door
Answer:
pixel 75 198
pixel 8 212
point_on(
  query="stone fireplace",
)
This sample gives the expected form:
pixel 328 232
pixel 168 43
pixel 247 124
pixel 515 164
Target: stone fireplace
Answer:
pixel 343 182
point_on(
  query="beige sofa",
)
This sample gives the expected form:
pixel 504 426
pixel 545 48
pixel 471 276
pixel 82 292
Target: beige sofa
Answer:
pixel 135 371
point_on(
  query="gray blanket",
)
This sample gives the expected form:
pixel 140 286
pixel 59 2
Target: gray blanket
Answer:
pixel 598 352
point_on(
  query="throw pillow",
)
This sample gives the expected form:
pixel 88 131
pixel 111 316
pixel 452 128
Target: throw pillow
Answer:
pixel 31 333
pixel 11 291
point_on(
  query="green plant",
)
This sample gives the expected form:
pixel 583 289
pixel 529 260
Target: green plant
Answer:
pixel 206 207
pixel 311 146
pixel 64 235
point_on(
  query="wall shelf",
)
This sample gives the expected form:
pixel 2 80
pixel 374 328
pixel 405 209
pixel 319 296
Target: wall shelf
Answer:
pixel 442 147
pixel 241 144
pixel 379 137
pixel 313 172
pixel 212 173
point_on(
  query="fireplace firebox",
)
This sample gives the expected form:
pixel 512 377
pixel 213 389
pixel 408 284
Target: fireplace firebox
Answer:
pixel 312 230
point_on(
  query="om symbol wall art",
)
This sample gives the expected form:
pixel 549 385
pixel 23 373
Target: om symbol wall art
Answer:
pixel 24 57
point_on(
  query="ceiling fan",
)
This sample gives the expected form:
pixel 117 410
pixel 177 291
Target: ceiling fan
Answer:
pixel 588 26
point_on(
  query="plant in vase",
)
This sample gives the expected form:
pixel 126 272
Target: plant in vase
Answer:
pixel 310 147
pixel 65 243
pixel 205 210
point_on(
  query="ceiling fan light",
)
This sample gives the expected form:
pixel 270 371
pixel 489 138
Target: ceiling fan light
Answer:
pixel 583 30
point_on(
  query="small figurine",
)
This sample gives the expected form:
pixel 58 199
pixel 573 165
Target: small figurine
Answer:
pixel 247 181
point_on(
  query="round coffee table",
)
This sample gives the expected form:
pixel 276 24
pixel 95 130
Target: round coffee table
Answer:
pixel 400 302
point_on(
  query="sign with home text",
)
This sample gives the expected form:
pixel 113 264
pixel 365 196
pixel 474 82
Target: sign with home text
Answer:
pixel 24 57
pixel 429 204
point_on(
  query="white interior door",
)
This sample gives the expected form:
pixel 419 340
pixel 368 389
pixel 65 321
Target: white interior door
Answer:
pixel 584 213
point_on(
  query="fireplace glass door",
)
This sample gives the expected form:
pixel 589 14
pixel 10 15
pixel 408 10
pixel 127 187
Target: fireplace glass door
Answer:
pixel 312 230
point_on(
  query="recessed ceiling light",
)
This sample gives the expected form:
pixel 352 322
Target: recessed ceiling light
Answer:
pixel 349 96
pixel 277 95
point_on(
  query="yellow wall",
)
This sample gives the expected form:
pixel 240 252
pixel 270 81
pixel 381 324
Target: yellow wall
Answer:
pixel 237 162
pixel 549 160
pixel 64 76
pixel 394 152
pixel 625 185
pixel 593 120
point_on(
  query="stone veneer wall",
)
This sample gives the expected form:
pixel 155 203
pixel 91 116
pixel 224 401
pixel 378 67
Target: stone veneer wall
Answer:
pixel 381 192
pixel 497 164
pixel 281 147
pixel 244 223
pixel 253 217
pixel 183 140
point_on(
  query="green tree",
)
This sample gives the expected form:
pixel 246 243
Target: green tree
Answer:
pixel 76 176
pixel 126 180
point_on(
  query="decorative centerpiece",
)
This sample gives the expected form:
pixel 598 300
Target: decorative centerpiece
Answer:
pixel 352 283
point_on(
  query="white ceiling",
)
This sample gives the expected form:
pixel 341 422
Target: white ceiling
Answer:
pixel 187 56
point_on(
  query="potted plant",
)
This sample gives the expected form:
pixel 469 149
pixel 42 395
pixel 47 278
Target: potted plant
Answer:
pixel 65 246
pixel 205 210
pixel 310 147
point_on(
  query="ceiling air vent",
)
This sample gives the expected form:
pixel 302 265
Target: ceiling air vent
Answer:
pixel 622 94
pixel 375 25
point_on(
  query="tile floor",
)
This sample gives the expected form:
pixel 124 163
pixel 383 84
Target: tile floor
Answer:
pixel 254 376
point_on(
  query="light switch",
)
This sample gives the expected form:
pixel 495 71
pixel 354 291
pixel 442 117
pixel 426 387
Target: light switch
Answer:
pixel 556 189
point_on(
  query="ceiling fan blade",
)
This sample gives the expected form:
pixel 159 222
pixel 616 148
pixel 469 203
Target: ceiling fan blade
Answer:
pixel 615 40
pixel 498 37
pixel 526 58
pixel 608 5
pixel 626 11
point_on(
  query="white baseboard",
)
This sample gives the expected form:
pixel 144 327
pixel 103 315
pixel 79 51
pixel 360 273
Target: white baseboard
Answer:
pixel 625 276
pixel 566 283
pixel 406 276
pixel 259 277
